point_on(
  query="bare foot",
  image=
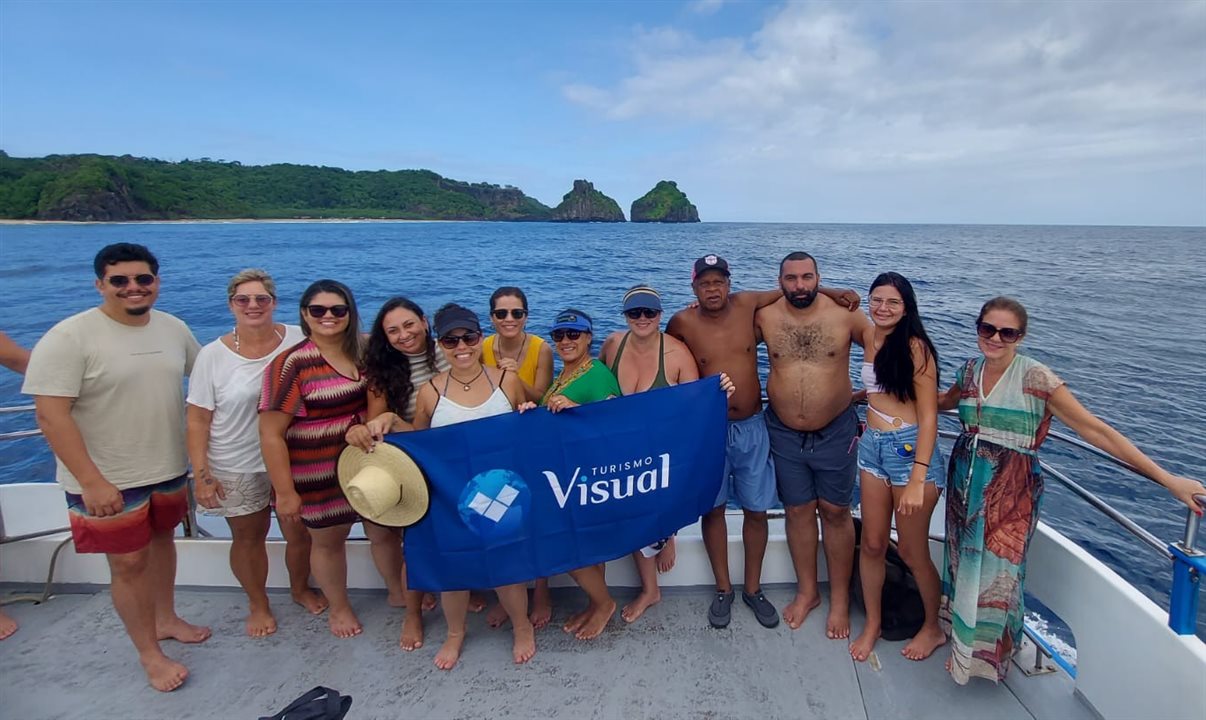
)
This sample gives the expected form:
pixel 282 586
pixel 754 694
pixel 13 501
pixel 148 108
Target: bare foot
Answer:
pixel 635 609
pixel 542 612
pixel 497 617
pixel 596 622
pixel 446 658
pixel 313 602
pixel 577 620
pixel 666 557
pixel 862 646
pixel 524 646
pixel 8 626
pixel 477 602
pixel 181 631
pixel 837 627
pixel 412 632
pixel 924 643
pixel 163 673
pixel 260 623
pixel 797 610
pixel 429 601
pixel 396 601
pixel 344 623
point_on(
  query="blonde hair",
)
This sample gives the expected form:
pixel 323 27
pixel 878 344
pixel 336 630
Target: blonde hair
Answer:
pixel 251 275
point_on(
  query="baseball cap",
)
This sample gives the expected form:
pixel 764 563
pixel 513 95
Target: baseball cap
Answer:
pixel 710 262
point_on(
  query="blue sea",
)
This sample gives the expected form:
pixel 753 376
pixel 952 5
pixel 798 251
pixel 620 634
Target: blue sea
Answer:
pixel 1118 312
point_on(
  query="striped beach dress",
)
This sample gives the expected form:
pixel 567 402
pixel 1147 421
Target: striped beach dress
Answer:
pixel 992 509
pixel 324 404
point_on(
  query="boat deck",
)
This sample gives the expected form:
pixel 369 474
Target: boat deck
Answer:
pixel 71 659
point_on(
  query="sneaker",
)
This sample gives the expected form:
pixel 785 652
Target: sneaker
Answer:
pixel 763 610
pixel 721 610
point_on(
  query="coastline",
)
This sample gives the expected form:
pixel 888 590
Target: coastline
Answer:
pixel 226 221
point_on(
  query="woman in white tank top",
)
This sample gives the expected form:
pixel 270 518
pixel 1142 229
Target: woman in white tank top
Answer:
pixel 468 390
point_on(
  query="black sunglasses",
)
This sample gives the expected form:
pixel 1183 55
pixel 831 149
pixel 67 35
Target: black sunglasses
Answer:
pixel 638 313
pixel 559 335
pixel 261 300
pixel 471 338
pixel 516 313
pixel 142 279
pixel 1008 335
pixel 317 311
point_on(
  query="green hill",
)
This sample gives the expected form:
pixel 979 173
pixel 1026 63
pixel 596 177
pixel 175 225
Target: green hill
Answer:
pixel 664 203
pixel 108 188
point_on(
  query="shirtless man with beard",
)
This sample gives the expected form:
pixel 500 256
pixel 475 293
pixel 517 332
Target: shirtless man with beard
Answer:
pixel 719 331
pixel 813 432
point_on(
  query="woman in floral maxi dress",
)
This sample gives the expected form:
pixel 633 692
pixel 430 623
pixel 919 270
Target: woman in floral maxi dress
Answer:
pixel 1006 402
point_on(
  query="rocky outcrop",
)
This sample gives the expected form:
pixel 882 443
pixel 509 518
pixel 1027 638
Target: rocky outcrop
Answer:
pixel 664 203
pixel 586 204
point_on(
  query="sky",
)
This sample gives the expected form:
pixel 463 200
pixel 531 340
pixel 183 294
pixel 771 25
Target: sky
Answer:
pixel 1072 112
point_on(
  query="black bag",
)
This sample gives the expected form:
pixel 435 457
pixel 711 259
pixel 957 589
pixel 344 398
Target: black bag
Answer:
pixel 902 613
pixel 321 703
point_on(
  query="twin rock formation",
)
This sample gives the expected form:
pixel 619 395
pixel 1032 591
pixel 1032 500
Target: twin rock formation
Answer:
pixel 664 203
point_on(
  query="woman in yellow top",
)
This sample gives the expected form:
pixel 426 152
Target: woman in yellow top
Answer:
pixel 512 348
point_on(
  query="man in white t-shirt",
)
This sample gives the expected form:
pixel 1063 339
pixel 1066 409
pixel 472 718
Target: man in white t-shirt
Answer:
pixel 108 388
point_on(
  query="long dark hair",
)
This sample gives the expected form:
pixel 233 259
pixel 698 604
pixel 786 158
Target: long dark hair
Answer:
pixel 387 368
pixel 352 344
pixel 894 362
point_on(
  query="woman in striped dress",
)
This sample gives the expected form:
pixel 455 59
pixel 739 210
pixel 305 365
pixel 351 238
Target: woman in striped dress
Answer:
pixel 312 394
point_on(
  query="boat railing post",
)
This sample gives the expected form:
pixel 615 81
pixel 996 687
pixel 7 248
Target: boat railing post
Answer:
pixel 1188 565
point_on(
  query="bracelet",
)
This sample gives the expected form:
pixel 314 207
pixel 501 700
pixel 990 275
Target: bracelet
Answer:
pixel 918 462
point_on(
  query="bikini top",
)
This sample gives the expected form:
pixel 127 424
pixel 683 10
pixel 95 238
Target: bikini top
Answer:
pixel 870 382
pixel 659 380
pixel 449 412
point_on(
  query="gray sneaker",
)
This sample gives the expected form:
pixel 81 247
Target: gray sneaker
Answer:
pixel 763 610
pixel 721 610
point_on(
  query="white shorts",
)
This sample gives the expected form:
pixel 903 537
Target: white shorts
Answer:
pixel 246 493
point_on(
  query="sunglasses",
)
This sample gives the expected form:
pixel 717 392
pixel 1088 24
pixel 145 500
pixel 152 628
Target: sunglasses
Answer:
pixel 317 311
pixel 559 335
pixel 471 338
pixel 142 279
pixel 638 313
pixel 245 300
pixel 517 314
pixel 1008 335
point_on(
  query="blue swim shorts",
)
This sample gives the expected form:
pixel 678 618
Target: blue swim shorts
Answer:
pixel 889 454
pixel 749 472
pixel 818 464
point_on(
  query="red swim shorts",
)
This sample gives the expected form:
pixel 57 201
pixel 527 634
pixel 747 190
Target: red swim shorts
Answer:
pixel 148 509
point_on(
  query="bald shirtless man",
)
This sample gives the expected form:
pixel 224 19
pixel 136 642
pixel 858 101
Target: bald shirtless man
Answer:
pixel 813 432
pixel 719 331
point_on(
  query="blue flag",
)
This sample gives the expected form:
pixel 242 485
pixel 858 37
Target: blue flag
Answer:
pixel 517 497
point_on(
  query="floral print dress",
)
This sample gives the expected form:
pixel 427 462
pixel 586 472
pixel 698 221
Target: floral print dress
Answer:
pixel 992 510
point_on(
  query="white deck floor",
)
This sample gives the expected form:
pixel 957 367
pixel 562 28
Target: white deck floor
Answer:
pixel 71 659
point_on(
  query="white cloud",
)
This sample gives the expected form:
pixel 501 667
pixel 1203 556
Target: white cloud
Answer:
pixel 1024 88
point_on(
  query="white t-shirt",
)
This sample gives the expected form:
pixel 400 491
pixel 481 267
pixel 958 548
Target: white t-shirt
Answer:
pixel 228 384
pixel 128 385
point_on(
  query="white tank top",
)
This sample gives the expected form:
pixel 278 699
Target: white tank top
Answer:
pixel 870 382
pixel 449 412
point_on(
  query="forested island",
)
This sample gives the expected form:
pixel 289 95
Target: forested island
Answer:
pixel 106 188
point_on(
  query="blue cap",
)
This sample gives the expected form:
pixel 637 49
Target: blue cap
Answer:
pixel 571 319
pixel 642 296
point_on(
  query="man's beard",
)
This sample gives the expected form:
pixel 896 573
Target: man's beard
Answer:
pixel 800 300
pixel 137 312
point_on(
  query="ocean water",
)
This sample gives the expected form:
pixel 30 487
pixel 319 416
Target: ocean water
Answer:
pixel 1118 312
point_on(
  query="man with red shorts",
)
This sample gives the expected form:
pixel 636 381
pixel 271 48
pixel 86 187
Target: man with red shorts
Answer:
pixel 107 384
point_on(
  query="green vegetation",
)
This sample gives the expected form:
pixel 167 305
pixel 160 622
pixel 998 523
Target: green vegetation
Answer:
pixel 664 203
pixel 586 204
pixel 100 187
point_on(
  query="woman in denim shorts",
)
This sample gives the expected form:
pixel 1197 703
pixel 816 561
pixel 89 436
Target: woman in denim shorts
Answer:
pixel 900 469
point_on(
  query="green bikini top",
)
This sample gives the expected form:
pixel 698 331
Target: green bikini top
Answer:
pixel 659 380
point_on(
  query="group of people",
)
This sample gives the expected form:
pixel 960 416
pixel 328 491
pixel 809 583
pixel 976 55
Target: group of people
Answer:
pixel 271 406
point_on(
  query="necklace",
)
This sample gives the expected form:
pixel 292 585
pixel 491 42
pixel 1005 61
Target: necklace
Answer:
pixel 235 332
pixel 518 354
pixel 565 380
pixel 465 384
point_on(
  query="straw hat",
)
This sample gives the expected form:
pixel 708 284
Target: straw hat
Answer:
pixel 384 486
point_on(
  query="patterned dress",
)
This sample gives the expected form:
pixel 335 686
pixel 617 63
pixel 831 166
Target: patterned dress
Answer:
pixel 324 404
pixel 992 509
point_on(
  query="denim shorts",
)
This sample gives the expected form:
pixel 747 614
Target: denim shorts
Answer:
pixel 889 454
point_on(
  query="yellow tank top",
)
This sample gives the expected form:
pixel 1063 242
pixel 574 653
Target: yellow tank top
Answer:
pixel 527 364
